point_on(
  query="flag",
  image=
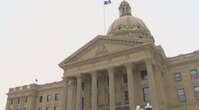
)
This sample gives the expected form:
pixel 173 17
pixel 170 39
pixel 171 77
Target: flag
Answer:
pixel 36 80
pixel 107 2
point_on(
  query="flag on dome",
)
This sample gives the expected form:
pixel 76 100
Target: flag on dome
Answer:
pixel 107 2
pixel 36 80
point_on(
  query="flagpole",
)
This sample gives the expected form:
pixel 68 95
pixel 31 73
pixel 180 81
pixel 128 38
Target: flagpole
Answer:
pixel 104 11
pixel 106 2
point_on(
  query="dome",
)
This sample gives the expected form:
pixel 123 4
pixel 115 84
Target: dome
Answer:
pixel 126 21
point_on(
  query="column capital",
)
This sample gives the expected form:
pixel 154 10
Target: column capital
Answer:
pixel 94 73
pixel 70 81
pixel 129 65
pixel 65 78
pixel 78 76
pixel 149 61
pixel 110 69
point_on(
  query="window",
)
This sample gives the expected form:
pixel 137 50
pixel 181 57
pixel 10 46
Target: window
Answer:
pixel 48 98
pixel 126 96
pixel 55 108
pixel 39 108
pixel 178 77
pixel 83 85
pixel 146 94
pixel 18 100
pixel 47 108
pixel 82 103
pixel 41 99
pixel 181 95
pixel 196 90
pixel 24 108
pixel 194 74
pixel 56 96
pixel 125 78
pixel 11 101
pixel 26 99
pixel 140 37
pixel 97 83
pixel 144 75
pixel 107 81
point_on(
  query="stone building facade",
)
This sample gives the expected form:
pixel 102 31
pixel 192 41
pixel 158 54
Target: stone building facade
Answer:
pixel 117 71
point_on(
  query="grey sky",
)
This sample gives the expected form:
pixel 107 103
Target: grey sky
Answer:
pixel 35 35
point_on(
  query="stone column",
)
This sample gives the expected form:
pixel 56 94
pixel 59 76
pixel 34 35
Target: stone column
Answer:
pixel 111 88
pixel 78 95
pixel 8 104
pixel 22 100
pixel 94 91
pixel 32 103
pixel 65 92
pixel 32 96
pixel 71 94
pixel 152 85
pixel 129 70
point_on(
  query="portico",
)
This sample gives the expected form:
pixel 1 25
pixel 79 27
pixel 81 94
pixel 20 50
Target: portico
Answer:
pixel 106 88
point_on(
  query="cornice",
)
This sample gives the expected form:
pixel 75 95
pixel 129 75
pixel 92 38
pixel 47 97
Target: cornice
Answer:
pixel 35 88
pixel 183 59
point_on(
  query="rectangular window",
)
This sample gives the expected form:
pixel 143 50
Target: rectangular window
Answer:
pixel 82 103
pixel 146 94
pixel 97 83
pixel 55 108
pixel 18 100
pixel 26 99
pixel 83 85
pixel 11 101
pixel 39 108
pixel 107 81
pixel 144 75
pixel 126 96
pixel 56 97
pixel 194 74
pixel 124 76
pixel 178 77
pixel 47 108
pixel 181 95
pixel 196 91
pixel 41 99
pixel 48 98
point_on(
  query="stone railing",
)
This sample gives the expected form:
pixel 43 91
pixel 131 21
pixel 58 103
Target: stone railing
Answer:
pixel 22 88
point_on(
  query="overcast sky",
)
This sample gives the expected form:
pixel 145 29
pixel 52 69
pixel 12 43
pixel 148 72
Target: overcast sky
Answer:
pixel 36 35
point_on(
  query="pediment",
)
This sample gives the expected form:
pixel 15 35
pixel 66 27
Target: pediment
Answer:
pixel 99 47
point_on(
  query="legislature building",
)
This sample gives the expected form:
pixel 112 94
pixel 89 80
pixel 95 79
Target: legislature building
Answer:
pixel 117 71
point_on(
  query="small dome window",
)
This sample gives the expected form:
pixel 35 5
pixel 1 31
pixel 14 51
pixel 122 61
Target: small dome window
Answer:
pixel 140 37
pixel 119 28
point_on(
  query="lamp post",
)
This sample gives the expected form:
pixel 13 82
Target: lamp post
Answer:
pixel 148 106
pixel 138 107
